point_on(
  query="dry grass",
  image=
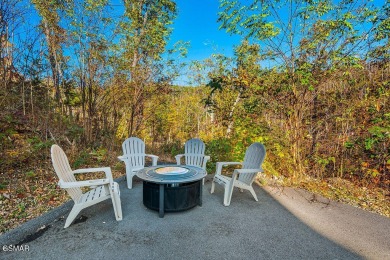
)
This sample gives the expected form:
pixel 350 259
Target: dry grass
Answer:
pixel 372 199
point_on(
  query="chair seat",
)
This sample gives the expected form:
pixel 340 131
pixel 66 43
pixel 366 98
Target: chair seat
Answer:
pixel 224 180
pixel 136 169
pixel 94 194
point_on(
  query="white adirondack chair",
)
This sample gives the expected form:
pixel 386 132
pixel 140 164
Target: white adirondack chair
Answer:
pixel 134 158
pixel 254 157
pixel 194 154
pixel 101 189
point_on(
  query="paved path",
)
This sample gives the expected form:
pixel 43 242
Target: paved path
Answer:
pixel 284 224
pixel 365 233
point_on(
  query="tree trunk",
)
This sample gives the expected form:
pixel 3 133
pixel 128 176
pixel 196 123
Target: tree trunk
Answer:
pixel 53 60
pixel 231 113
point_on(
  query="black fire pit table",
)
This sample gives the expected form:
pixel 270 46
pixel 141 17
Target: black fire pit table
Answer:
pixel 171 188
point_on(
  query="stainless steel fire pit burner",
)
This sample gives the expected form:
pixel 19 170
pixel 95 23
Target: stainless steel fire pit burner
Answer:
pixel 171 188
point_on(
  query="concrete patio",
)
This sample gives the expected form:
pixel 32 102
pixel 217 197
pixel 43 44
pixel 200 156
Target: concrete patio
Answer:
pixel 284 224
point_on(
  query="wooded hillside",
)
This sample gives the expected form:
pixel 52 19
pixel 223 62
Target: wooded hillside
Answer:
pixel 313 86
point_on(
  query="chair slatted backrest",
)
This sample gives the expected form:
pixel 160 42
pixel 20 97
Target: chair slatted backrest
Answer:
pixel 134 148
pixel 194 152
pixel 63 170
pixel 254 157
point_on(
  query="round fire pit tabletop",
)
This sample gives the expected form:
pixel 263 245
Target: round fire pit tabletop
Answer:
pixel 169 174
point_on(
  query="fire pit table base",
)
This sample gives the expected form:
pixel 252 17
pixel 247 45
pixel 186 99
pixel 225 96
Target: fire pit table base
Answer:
pixel 172 197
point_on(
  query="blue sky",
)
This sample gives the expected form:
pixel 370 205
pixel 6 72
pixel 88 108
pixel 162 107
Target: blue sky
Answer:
pixel 197 23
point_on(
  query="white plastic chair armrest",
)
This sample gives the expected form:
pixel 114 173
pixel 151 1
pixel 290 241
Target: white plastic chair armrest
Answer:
pixel 229 163
pixel 106 170
pixel 77 184
pixel 178 158
pixel 154 158
pixel 122 158
pixel 243 171
pixel 86 170
pixel 220 164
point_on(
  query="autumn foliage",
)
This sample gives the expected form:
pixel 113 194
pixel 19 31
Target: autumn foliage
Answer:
pixel 317 96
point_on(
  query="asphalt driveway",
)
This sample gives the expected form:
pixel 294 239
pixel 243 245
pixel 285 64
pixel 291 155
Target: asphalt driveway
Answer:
pixel 284 224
